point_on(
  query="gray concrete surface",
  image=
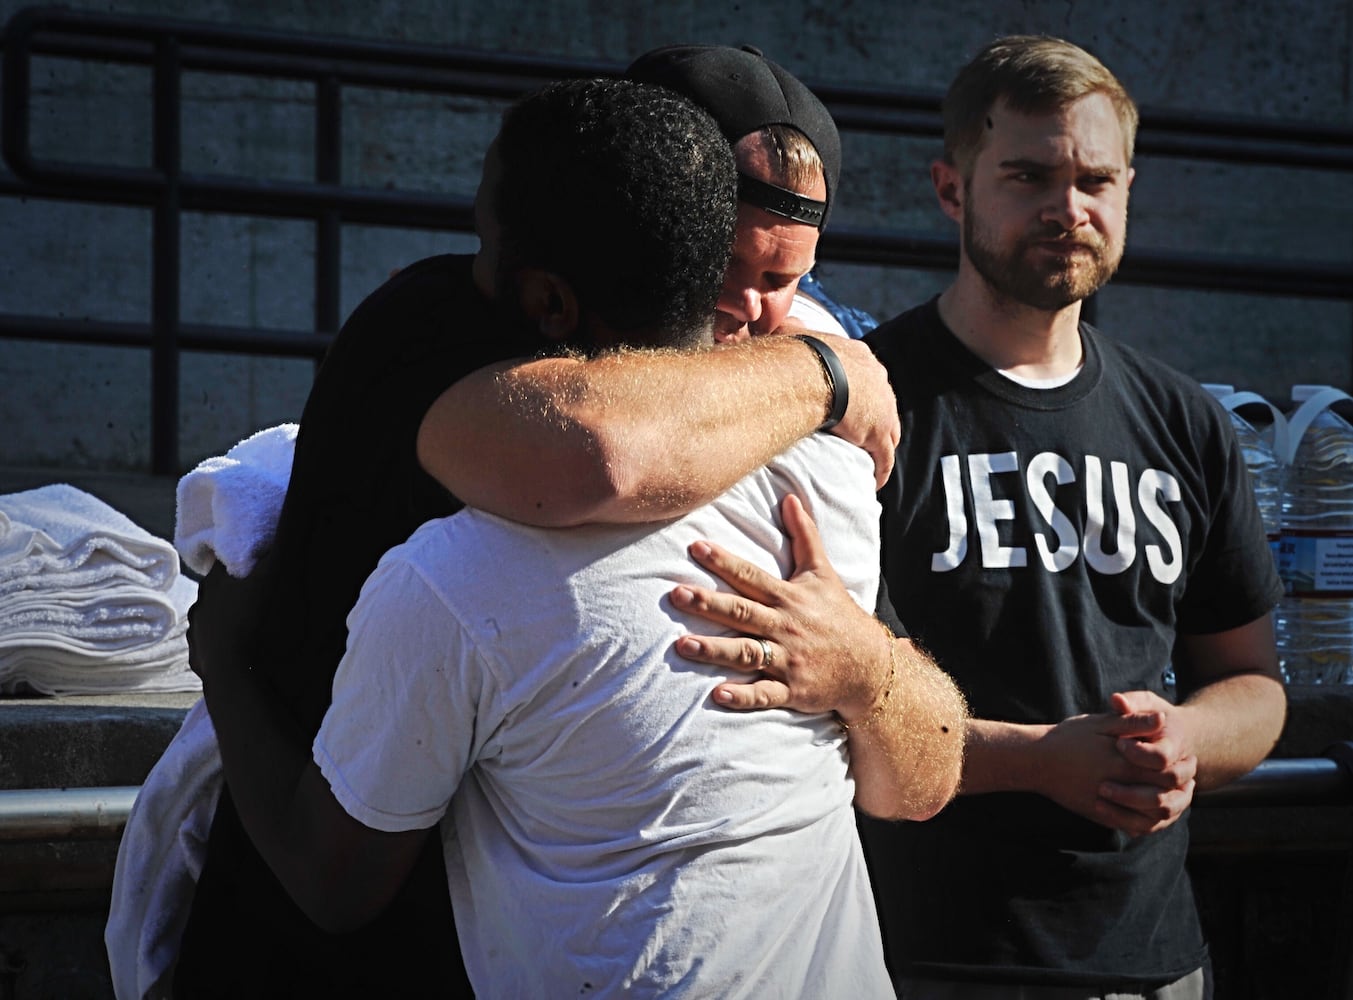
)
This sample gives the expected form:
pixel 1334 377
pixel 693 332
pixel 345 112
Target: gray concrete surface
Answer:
pixel 86 741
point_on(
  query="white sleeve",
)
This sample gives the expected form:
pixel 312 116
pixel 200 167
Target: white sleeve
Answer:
pixel 398 737
pixel 814 315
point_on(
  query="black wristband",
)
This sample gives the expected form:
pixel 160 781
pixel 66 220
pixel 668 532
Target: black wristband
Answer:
pixel 836 380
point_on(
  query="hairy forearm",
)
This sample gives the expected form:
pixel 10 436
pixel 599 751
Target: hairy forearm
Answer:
pixel 623 437
pixel 906 752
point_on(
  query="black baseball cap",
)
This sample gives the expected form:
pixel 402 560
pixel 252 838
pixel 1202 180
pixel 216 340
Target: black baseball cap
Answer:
pixel 744 91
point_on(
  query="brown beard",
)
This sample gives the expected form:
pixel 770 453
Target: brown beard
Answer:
pixel 1049 287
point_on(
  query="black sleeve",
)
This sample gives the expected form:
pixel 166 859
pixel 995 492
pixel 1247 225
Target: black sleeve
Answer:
pixel 886 613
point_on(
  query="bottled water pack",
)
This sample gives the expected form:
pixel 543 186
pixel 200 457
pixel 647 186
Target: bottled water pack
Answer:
pixel 1315 619
pixel 1261 449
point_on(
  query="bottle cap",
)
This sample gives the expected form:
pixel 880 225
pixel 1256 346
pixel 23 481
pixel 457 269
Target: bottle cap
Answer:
pixel 1301 393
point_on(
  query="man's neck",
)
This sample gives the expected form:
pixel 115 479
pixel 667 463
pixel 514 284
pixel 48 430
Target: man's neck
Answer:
pixel 1008 335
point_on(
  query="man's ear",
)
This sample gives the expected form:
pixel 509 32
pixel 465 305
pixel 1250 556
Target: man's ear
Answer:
pixel 948 188
pixel 548 301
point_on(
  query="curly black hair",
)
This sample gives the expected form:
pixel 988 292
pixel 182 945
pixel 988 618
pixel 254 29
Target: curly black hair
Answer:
pixel 627 191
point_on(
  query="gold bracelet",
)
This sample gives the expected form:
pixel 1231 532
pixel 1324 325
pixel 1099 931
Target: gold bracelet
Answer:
pixel 882 702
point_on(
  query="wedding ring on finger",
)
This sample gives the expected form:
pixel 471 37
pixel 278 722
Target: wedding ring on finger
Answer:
pixel 767 655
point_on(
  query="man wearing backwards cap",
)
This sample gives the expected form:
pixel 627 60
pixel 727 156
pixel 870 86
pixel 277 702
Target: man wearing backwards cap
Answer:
pixel 789 161
pixel 540 422
pixel 564 441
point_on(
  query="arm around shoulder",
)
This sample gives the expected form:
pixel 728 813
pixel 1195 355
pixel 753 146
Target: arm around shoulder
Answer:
pixel 517 439
pixel 634 436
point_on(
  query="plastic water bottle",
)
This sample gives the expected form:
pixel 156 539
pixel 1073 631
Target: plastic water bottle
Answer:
pixel 1260 443
pixel 1315 620
pixel 1259 447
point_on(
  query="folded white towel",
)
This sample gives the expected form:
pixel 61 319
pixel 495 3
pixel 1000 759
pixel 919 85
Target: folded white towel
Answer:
pixel 53 669
pixel 97 621
pixel 90 602
pixel 97 640
pixel 228 505
pixel 60 537
pixel 159 668
pixel 160 858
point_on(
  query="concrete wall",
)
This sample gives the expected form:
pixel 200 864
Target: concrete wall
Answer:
pixel 87 406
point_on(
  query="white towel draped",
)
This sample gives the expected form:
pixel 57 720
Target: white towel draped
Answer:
pixel 160 858
pixel 228 508
pixel 229 504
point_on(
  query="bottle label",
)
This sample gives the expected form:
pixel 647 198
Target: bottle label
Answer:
pixel 1319 564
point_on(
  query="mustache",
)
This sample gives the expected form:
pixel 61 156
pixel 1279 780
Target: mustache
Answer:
pixel 1090 240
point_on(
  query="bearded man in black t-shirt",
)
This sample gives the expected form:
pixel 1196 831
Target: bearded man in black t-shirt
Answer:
pixel 1065 517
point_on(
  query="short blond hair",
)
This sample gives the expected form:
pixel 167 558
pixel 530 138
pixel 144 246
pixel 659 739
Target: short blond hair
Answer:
pixel 1032 74
pixel 794 160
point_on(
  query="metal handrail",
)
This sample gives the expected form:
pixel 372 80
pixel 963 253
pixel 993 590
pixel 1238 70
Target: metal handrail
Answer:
pixel 65 813
pixel 1298 781
pixel 50 814
pixel 442 69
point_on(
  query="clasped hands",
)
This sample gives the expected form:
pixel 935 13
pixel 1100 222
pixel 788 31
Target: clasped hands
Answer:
pixel 1130 768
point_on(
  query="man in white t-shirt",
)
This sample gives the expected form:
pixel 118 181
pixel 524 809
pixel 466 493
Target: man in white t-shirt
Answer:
pixel 615 832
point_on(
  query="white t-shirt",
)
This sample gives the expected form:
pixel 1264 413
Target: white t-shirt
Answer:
pixel 614 832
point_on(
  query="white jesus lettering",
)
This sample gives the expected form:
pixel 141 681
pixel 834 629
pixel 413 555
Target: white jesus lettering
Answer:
pixel 1054 534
